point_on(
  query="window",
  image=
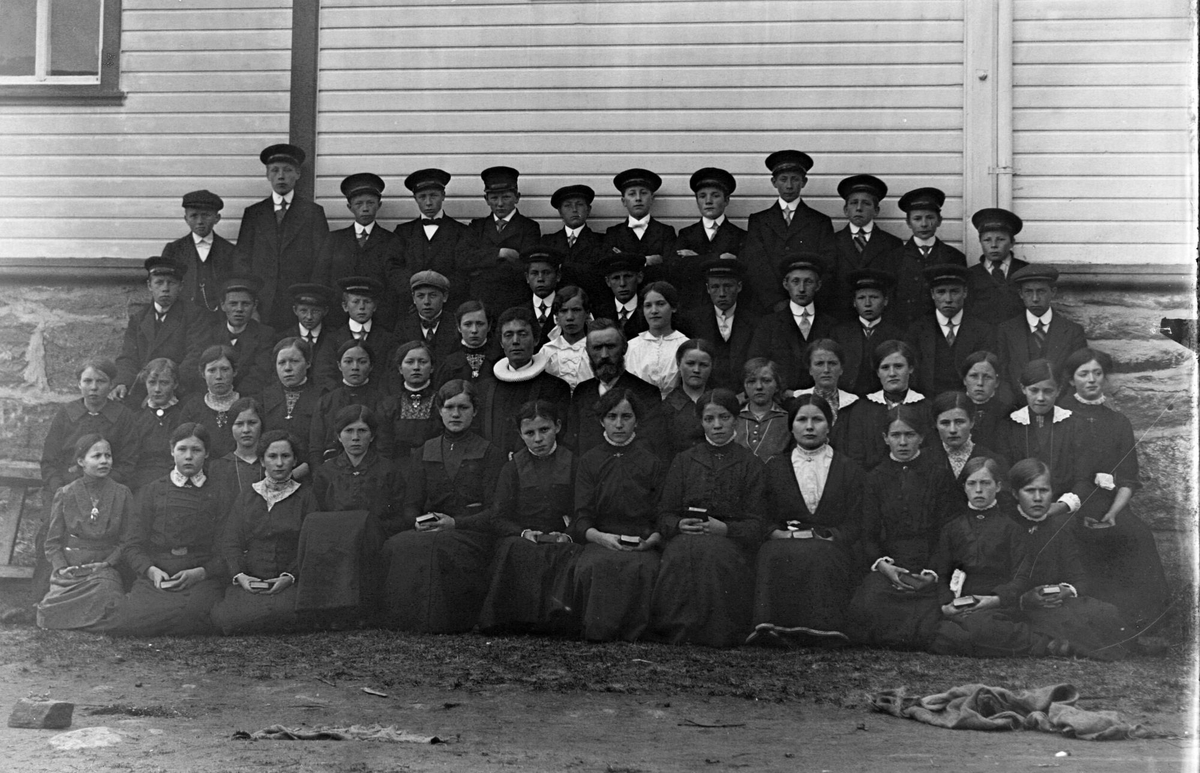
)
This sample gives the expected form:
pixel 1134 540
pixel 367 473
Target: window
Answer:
pixel 60 51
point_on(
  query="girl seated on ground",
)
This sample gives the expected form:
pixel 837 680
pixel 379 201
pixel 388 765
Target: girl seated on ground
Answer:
pixel 84 543
pixel 762 425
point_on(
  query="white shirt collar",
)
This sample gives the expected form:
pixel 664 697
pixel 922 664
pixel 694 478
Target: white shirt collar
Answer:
pixel 548 301
pixel 942 321
pixel 441 213
pixel 573 231
pixel 870 324
pixel 710 224
pixel 316 331
pixel 632 223
pixel 358 327
pixel 789 204
pixel 630 306
pixel 180 480
pixel 205 240
pixel 358 229
pixel 288 198
pixel 1003 264
pixel 236 333
pixel 1045 319
pixel 867 229
pixel 925 242
pixel 804 455
pixel 798 310
pixel 507 218
pixel 159 310
pixel 726 314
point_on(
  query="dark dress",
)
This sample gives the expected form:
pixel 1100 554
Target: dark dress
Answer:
pixel 373 486
pixel 175 528
pixel 218 423
pixel 1121 562
pixel 1053 442
pixel 297 417
pixel 407 421
pixel 679 412
pixel 437 581
pixel 531 581
pixel 154 459
pixel 905 506
pixel 76 537
pixel 862 438
pixel 990 421
pixel 806 583
pixel 616 491
pixel 705 583
pixel 263 543
pixel 233 476
pixel 322 442
pixel 473 365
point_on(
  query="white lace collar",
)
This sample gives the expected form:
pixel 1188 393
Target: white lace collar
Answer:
pixel 1021 416
pixel 913 396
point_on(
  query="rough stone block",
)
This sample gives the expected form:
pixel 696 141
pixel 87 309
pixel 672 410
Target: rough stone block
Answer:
pixel 41 715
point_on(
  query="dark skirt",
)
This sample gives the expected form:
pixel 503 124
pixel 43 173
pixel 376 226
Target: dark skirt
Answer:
pixel 436 581
pixel 531 588
pixel 243 612
pixel 87 604
pixel 803 584
pixel 1123 568
pixel 613 589
pixel 991 633
pixel 882 616
pixel 339 565
pixel 703 593
pixel 1094 629
pixel 148 611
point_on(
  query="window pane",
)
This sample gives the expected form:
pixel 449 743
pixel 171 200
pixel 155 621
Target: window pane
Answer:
pixel 75 37
pixel 18 34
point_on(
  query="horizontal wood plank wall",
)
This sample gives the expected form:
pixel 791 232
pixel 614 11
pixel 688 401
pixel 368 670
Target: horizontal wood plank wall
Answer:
pixel 574 92
pixel 207 84
pixel 1102 145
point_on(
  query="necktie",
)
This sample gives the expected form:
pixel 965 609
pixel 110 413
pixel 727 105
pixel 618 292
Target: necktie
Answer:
pixel 360 334
pixel 868 331
pixel 542 313
pixel 623 315
pixel 997 272
pixel 925 250
pixel 860 241
pixel 500 226
pixel 279 213
pixel 571 240
pixel 787 215
pixel 427 330
pixel 362 238
pixel 1039 335
pixel 950 333
pixel 805 323
pixel 712 232
pixel 160 318
pixel 312 339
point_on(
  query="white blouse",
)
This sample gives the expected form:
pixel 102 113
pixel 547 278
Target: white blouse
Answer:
pixel 567 361
pixel 653 359
pixel 812 471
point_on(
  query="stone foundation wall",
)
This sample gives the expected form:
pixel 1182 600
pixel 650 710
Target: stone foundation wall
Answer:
pixel 45 330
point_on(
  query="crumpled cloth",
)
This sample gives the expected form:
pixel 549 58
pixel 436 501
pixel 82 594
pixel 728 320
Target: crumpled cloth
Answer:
pixel 980 707
pixel 353 733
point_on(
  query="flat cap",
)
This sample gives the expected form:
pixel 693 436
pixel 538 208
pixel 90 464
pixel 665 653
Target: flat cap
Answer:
pixel 584 192
pixel 540 254
pixel 922 198
pixel 622 261
pixel 429 278
pixel 312 294
pixel 159 266
pixel 1035 273
pixel 427 178
pixel 363 182
pixel 866 183
pixel 643 177
pixel 996 219
pixel 723 267
pixel 807 261
pixel 945 273
pixel 282 152
pixel 713 177
pixel 203 200
pixel 497 179
pixel 245 284
pixel 870 279
pixel 361 285
pixel 788 161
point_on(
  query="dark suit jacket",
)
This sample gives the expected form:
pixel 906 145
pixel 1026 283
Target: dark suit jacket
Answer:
pixel 656 240
pixel 499 283
pixel 685 273
pixel 382 341
pixel 586 432
pixel 499 402
pixel 634 325
pixel 769 236
pixel 202 282
pixel 280 255
pixel 880 255
pixel 581 263
pixel 255 367
pixel 778 339
pixel 146 340
pixel 443 254
pixel 921 304
pixel 342 257
pixel 445 340
pixel 858 353
pixel 731 354
pixel 1063 338
pixel 324 342
pixel 839 510
pixel 937 362
pixel 992 301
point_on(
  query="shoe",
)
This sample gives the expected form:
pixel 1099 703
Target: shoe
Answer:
pixel 1060 648
pixel 766 635
pixel 812 637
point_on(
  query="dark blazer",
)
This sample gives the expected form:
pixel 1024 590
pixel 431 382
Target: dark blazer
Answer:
pixel 581 263
pixel 858 353
pixel 731 354
pixel 443 254
pixel 877 254
pixel 382 342
pixel 937 361
pixel 840 509
pixel 499 283
pixel 916 293
pixel 280 255
pixel 685 273
pixel 657 239
pixel 778 338
pixel 146 340
pixel 633 326
pixel 324 341
pixel 1063 338
pixel 255 367
pixel 445 340
pixel 993 301
pixel 769 237
pixel 202 282
pixel 342 257
pixel 586 432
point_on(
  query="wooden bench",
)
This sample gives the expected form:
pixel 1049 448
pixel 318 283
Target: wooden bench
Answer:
pixel 26 477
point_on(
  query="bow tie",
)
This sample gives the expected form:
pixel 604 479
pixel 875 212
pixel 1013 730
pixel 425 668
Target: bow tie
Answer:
pixel 431 221
pixel 428 324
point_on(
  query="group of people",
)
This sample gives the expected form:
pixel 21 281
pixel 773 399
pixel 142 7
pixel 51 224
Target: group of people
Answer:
pixel 718 436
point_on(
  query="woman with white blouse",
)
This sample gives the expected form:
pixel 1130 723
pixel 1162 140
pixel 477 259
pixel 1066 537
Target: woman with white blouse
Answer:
pixel 651 356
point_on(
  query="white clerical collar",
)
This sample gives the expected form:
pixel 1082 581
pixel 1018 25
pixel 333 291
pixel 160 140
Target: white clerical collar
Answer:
pixel 925 242
pixel 800 310
pixel 645 221
pixel 359 230
pixel 573 232
pixel 711 224
pixel 360 327
pixel 305 332
pixel 869 325
pixel 867 229
pixel 1045 319
pixel 280 199
pixel 532 369
pixel 180 480
pixel 507 218
pixel 956 320
pixel 789 205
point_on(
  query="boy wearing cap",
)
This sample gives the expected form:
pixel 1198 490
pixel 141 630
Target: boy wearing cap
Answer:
pixel 364 248
pixel 426 322
pixel 310 304
pixel 714 236
pixel 1038 332
pixel 723 322
pixel 164 327
pixel 542 271
pixel 496 241
pixel 580 246
pixel 208 256
pixel 640 234
pixel 250 339
pixel 360 302
pixel 281 236
pixel 623 274
pixel 859 336
pixel 922 208
pixel 783 335
pixel 431 242
pixel 946 338
pixel 862 243
pixel 994 297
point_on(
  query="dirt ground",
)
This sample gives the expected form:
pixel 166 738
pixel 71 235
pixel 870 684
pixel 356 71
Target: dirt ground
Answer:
pixel 530 704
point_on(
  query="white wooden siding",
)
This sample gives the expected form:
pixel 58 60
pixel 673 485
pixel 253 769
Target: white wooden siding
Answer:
pixel 577 91
pixel 1103 137
pixel 207 84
